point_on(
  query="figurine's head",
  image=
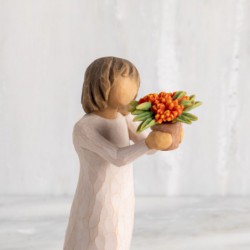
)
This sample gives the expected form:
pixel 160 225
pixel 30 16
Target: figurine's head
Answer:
pixel 109 82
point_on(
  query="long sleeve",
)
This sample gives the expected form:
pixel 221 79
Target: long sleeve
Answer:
pixel 92 140
pixel 135 137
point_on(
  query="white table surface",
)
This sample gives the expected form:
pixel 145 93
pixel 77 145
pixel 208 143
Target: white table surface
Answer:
pixel 161 223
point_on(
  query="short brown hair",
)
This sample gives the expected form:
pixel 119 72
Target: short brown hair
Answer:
pixel 98 79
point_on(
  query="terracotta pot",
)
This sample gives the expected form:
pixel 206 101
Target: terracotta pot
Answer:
pixel 172 128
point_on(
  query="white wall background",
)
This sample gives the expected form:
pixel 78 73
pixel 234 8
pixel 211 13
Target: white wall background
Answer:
pixel 202 46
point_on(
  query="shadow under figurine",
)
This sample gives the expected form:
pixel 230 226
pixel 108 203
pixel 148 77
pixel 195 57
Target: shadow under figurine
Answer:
pixel 102 212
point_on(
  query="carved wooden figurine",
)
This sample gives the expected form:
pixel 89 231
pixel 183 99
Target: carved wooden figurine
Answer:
pixel 102 212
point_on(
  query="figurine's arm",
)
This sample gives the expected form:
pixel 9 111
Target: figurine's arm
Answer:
pixel 92 140
pixel 136 137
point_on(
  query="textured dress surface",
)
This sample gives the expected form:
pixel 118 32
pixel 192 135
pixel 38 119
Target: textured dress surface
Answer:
pixel 102 211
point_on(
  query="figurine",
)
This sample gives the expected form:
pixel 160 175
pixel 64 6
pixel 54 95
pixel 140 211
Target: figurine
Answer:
pixel 102 212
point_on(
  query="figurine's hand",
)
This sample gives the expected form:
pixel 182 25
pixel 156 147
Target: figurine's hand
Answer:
pixel 158 140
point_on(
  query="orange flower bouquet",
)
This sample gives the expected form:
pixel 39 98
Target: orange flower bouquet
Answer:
pixel 165 109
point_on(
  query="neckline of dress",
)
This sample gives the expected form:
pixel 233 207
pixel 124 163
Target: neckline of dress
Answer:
pixel 107 119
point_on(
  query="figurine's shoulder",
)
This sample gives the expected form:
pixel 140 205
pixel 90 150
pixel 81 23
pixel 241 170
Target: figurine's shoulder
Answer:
pixel 84 124
pixel 94 123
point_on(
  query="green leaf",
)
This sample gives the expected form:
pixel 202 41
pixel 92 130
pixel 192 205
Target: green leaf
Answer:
pixel 192 98
pixel 190 116
pixel 143 116
pixel 133 105
pixel 195 105
pixel 184 119
pixel 150 124
pixel 144 106
pixel 138 112
pixel 138 130
pixel 186 103
pixel 179 94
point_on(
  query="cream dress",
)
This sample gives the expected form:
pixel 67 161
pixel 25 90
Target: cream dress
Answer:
pixel 102 212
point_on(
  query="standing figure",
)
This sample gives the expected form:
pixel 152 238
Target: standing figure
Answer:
pixel 102 212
